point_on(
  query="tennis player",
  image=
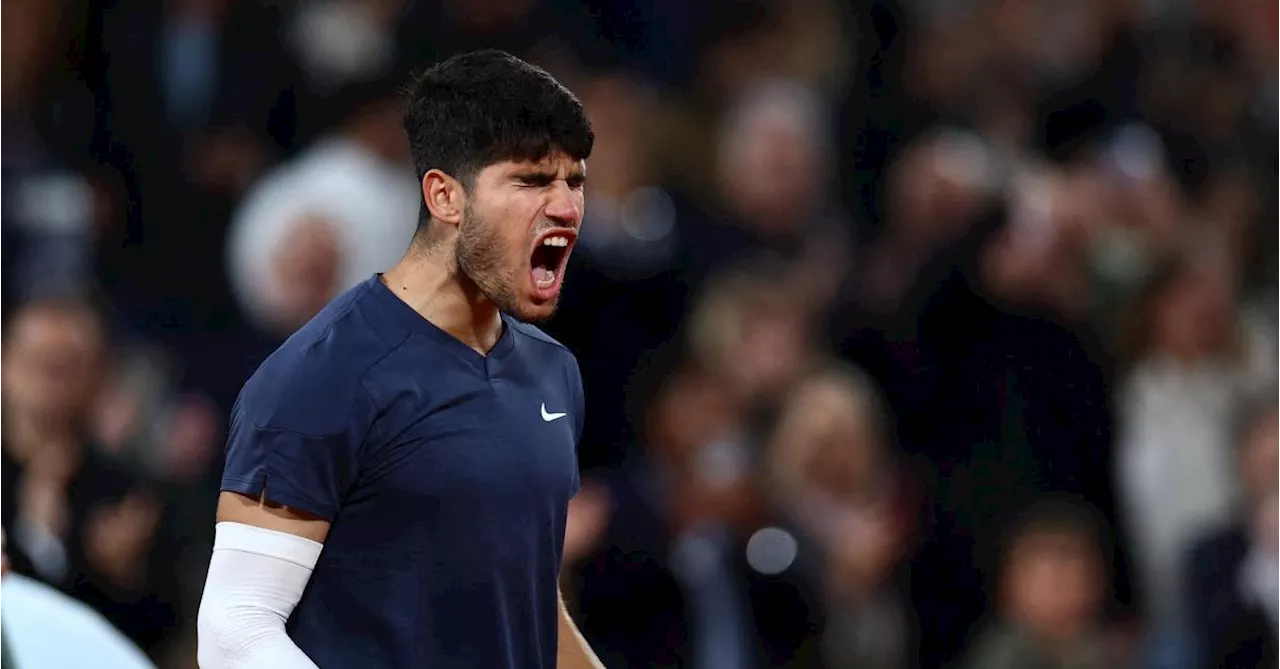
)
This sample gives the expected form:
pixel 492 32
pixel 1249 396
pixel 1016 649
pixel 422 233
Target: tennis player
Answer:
pixel 398 471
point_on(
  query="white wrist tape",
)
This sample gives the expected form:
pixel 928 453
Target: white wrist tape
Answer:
pixel 256 577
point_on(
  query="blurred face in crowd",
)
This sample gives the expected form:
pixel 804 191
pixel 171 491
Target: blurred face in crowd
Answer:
pixel 937 186
pixel 1259 467
pixel 826 442
pixel 769 163
pixel 770 351
pixel 828 455
pixel 620 110
pixel 691 411
pixel 694 431
pixel 518 226
pixel 752 331
pixel 52 360
pixel 1029 253
pixel 1053 584
pixel 1193 315
pixel 1260 458
pixel 941 63
pixel 305 272
pixel 26 29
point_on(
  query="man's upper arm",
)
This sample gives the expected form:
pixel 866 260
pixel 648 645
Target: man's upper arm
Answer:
pixel 293 446
pixel 234 507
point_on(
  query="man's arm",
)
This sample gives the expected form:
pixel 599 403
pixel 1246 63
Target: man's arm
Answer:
pixel 573 650
pixel 263 556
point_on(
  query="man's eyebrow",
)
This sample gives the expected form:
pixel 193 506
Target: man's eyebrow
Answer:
pixel 546 175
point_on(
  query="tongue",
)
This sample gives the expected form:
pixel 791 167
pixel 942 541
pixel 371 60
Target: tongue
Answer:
pixel 541 274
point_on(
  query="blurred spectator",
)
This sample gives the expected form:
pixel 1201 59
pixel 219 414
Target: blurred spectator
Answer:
pixel 693 543
pixel 340 41
pixel 739 46
pixel 690 572
pixel 1234 596
pixel 773 178
pixel 49 217
pixel 836 476
pixel 332 217
pixel 751 330
pixel 1015 217
pixel 624 296
pixel 200 98
pixel 937 187
pixel 1051 582
pixel 77 520
pixel 1192 361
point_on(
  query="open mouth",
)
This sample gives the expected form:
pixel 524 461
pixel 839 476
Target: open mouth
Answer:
pixel 547 262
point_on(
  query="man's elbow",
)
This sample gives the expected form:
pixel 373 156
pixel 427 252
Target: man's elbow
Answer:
pixel 229 636
pixel 213 636
pixel 222 632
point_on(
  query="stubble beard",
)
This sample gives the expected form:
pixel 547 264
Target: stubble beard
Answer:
pixel 479 256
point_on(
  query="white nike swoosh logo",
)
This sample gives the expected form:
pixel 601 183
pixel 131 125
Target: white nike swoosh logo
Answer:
pixel 551 416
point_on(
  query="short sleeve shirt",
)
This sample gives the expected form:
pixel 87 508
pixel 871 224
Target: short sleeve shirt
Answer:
pixel 446 476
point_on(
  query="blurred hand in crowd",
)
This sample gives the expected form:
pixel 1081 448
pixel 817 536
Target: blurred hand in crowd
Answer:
pixel 1194 316
pixel 191 439
pixel 868 545
pixel 695 432
pixel 937 186
pixel 43 491
pixel 118 538
pixel 832 468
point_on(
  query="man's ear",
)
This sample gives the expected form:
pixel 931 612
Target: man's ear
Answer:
pixel 444 196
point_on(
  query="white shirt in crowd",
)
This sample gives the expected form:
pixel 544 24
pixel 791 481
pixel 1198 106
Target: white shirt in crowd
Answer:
pixel 1176 463
pixel 45 628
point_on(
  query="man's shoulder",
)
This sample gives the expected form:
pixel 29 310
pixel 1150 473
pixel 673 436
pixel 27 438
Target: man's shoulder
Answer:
pixel 316 376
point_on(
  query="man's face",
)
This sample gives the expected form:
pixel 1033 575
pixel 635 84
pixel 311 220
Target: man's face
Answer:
pixel 1258 459
pixel 51 362
pixel 1054 584
pixel 519 227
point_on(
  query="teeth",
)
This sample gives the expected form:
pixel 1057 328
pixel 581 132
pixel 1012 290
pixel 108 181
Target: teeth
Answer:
pixel 556 241
pixel 549 280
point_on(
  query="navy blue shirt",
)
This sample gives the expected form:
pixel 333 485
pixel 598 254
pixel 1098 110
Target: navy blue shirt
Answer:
pixel 446 475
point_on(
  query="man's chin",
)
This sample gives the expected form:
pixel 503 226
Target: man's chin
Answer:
pixel 535 314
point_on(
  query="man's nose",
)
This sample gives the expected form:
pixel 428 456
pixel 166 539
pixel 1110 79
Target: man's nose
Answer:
pixel 565 205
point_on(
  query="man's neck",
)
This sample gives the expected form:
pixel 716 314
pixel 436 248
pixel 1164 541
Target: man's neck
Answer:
pixel 430 283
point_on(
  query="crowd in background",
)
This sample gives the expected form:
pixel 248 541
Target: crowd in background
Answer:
pixel 915 333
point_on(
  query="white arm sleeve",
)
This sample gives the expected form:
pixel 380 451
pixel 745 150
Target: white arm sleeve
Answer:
pixel 256 578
